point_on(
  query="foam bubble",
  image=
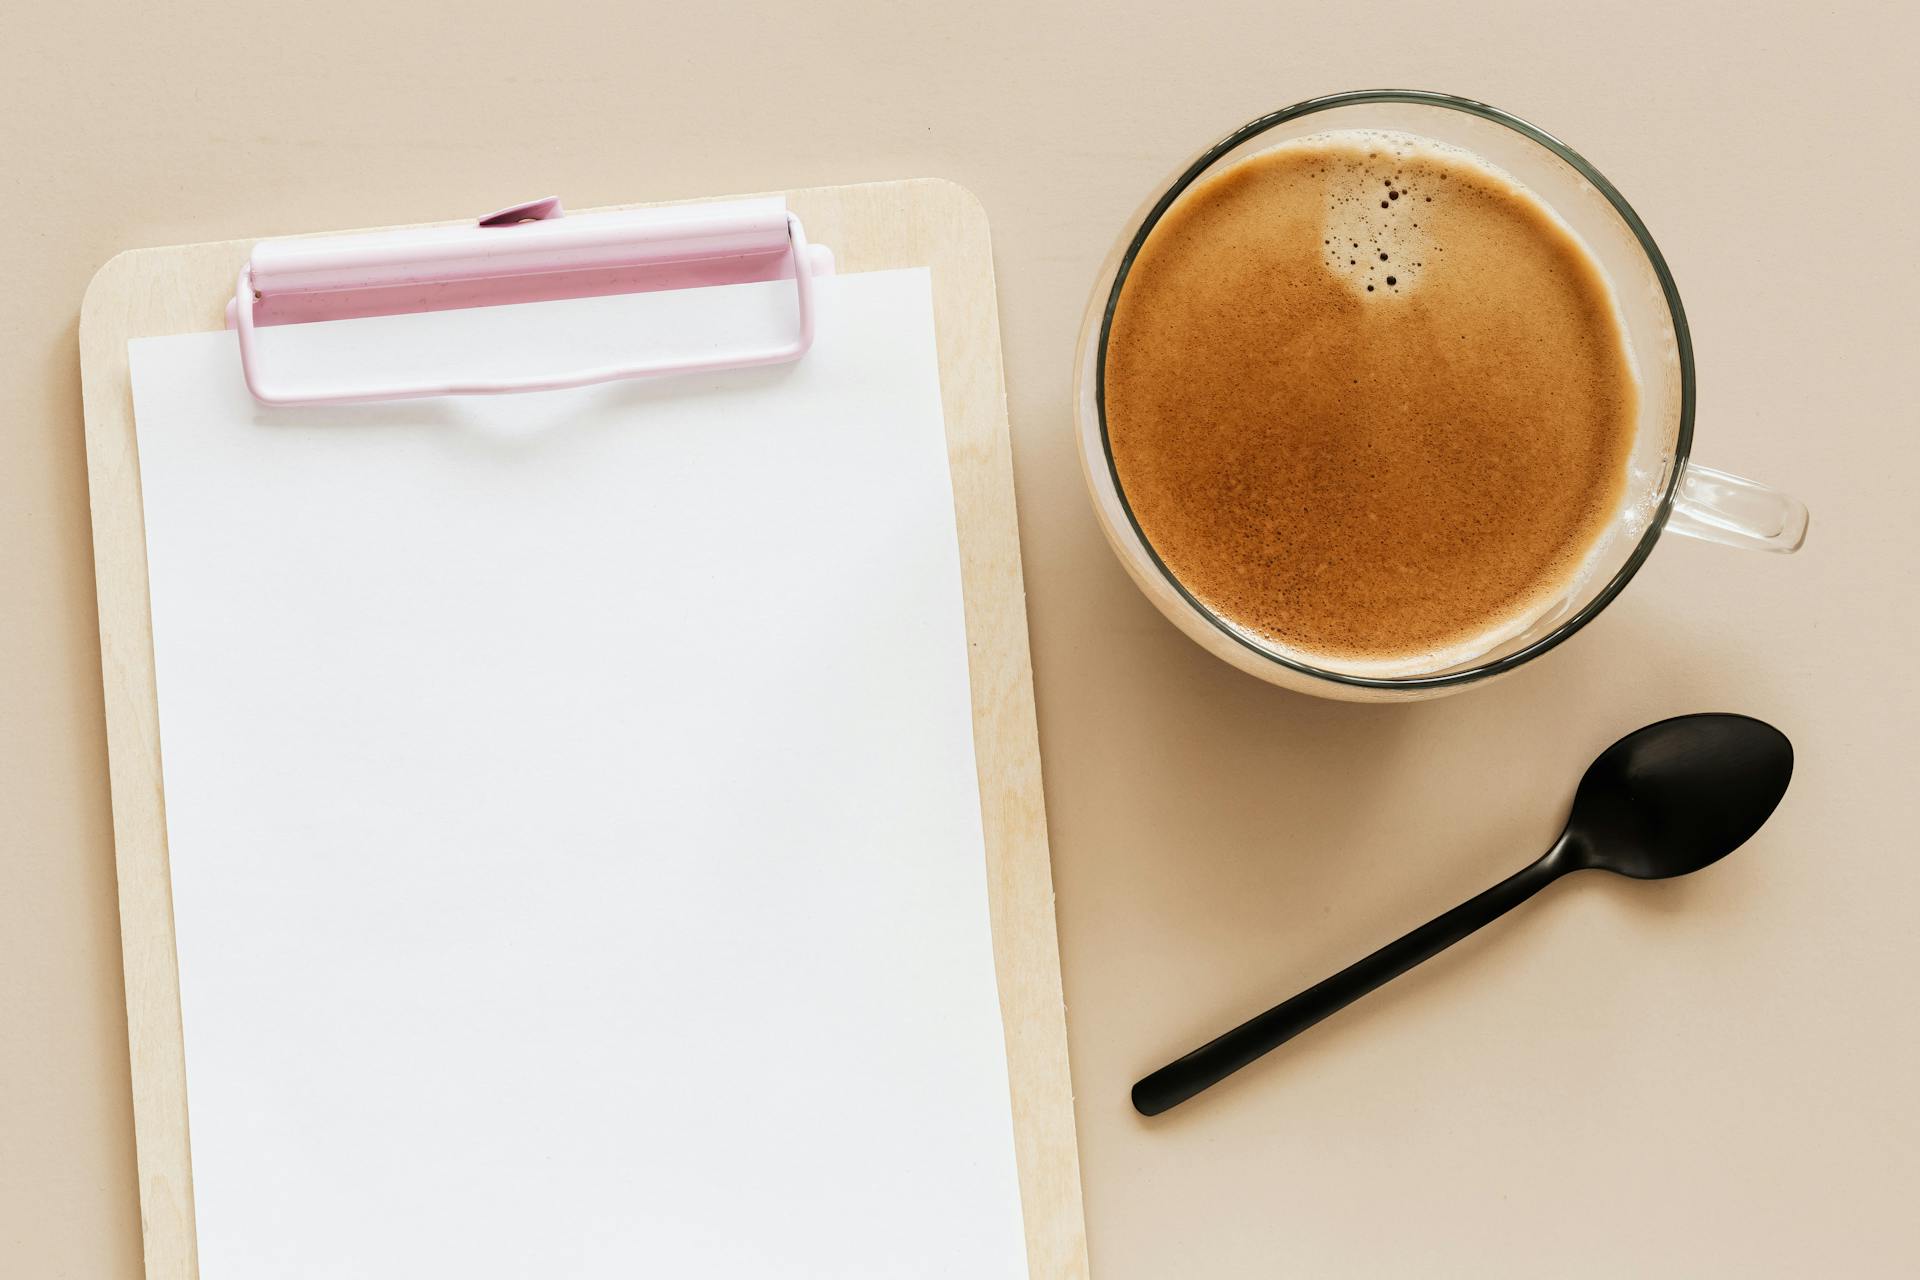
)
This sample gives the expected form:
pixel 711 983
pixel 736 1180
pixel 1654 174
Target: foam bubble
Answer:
pixel 1385 193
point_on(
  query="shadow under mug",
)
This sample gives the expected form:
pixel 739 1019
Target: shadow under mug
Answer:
pixel 1665 489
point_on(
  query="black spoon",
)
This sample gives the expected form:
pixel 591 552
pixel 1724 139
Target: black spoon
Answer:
pixel 1664 800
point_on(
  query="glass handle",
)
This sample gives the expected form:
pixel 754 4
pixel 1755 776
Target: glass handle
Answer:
pixel 1716 507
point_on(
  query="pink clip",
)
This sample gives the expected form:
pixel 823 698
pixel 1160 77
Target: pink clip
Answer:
pixel 524 253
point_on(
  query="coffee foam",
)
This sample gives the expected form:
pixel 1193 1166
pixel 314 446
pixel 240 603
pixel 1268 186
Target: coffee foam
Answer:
pixel 1369 399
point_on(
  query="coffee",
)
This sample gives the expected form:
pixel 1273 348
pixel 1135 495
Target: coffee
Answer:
pixel 1369 399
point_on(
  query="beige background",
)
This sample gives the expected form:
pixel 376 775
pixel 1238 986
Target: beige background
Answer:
pixel 1706 1078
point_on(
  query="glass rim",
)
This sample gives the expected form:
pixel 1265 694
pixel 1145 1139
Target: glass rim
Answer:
pixel 1683 343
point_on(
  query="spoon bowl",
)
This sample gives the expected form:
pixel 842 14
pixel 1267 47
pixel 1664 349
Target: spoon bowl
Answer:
pixel 1678 795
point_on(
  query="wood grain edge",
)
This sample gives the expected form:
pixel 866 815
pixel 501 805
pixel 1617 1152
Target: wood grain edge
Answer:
pixel 1007 743
pixel 156 1059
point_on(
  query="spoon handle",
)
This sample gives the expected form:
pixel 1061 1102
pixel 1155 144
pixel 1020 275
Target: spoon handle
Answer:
pixel 1219 1058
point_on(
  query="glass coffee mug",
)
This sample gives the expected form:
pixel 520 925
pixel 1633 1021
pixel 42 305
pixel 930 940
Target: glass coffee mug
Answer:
pixel 1665 490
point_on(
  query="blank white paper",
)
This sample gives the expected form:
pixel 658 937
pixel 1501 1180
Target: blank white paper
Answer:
pixel 571 799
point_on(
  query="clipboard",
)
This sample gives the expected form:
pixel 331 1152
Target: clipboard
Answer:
pixel 877 226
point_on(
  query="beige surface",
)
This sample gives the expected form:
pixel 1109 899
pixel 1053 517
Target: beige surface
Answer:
pixel 871 227
pixel 1710 1078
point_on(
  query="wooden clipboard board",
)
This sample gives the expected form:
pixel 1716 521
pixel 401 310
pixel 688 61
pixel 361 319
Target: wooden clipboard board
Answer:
pixel 873 227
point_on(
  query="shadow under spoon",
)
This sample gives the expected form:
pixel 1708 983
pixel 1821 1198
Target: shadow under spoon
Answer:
pixel 1663 801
